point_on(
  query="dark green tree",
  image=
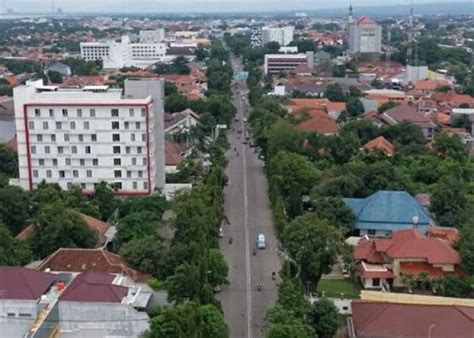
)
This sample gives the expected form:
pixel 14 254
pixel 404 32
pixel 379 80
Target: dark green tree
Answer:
pixel 335 211
pixel 448 201
pixel 323 316
pixel 104 197
pixel 55 77
pixel 8 161
pixel 13 251
pixel 355 106
pixel 137 225
pixel 14 211
pixel 334 93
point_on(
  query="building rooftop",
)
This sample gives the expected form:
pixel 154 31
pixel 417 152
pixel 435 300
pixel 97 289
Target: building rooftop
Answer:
pixel 23 283
pixel 382 144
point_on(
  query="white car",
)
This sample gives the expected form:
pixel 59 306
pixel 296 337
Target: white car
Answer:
pixel 221 233
pixel 245 119
pixel 261 243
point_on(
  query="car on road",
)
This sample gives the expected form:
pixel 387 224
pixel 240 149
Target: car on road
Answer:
pixel 236 119
pixel 245 119
pixel 252 143
pixel 221 232
pixel 244 141
pixel 261 243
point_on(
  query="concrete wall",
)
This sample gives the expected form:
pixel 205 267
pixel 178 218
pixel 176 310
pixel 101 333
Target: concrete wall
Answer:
pixel 11 323
pixel 413 299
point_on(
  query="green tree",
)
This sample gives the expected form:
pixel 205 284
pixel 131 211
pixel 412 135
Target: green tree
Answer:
pixel 324 318
pixel 8 161
pixel 335 211
pixel 13 208
pixel 291 298
pixel 334 93
pixel 355 106
pixel 13 251
pixel 466 247
pixel 314 245
pixel 201 54
pixel 56 226
pixel 45 193
pixel 176 102
pixel 450 146
pixel 342 186
pixel 155 204
pixel 55 77
pixel 136 225
pixel 294 329
pixel 386 106
pixel 448 201
pixel 104 197
pixel 218 268
pixel 453 286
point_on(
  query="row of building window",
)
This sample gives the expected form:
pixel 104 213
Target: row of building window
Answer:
pixel 88 173
pixel 59 125
pixel 116 185
pixel 82 162
pixel 87 149
pixel 79 112
pixel 85 138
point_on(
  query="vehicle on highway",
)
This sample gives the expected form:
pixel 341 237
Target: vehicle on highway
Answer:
pixel 252 143
pixel 244 141
pixel 247 134
pixel 245 119
pixel 236 119
pixel 261 243
pixel 221 232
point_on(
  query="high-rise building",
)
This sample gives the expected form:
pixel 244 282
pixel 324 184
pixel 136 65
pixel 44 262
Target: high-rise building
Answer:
pixel 256 37
pixel 124 54
pixel 84 136
pixel 152 36
pixel 277 63
pixel 282 35
pixel 365 36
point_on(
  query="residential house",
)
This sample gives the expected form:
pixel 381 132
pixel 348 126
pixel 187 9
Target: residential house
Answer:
pixel 382 144
pixel 407 112
pixel 429 87
pixel 81 260
pixel 334 109
pixel 383 262
pixel 180 122
pixel 383 319
pixel 173 157
pixel 454 98
pixel 318 122
pixel 386 211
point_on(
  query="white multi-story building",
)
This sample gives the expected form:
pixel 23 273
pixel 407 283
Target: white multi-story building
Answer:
pixel 152 36
pixel 365 36
pixel 282 35
pixel 277 63
pixel 84 136
pixel 124 54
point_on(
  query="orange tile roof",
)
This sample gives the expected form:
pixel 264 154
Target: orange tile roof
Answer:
pixel 320 122
pixel 442 118
pixel 317 103
pixel 415 268
pixel 430 84
pixel 381 143
pixel 454 98
pixel 449 234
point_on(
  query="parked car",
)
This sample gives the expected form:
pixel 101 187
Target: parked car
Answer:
pixel 261 243
pixel 221 232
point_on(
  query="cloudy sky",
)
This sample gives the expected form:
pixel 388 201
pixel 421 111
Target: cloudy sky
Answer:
pixel 193 5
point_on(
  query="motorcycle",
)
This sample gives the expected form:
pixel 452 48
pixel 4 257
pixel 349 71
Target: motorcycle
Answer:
pixel 259 286
pixel 254 251
pixel 273 275
pixel 231 240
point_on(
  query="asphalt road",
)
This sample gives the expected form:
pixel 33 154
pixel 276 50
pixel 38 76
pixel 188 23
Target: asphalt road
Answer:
pixel 248 209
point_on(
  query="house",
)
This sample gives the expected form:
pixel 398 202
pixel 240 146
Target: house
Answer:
pixel 454 98
pixel 180 122
pixel 384 261
pixel 318 122
pixel 334 109
pixel 173 157
pixel 88 304
pixel 428 87
pixel 100 227
pixel 407 112
pixel 384 319
pixel 60 68
pixel 380 143
pixel 386 211
pixel 80 260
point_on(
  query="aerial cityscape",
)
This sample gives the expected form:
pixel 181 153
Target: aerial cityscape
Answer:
pixel 242 169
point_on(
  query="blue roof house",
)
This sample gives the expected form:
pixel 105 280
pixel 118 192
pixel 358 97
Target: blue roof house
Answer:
pixel 385 211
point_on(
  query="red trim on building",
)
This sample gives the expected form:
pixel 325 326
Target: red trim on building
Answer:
pixel 118 193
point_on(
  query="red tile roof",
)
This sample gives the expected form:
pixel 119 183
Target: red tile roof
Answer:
pixel 429 84
pixel 381 143
pixel 324 104
pixel 320 122
pixel 364 274
pixel 447 234
pixel 407 244
pixel 172 154
pixel 454 98
pixel 380 319
pixel 23 283
pixel 415 268
pixel 94 286
pixel 99 260
pixel 408 112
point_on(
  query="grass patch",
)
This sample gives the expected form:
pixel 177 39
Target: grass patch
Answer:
pixel 334 287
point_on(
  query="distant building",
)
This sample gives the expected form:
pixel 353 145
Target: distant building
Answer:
pixel 282 35
pixel 276 63
pixel 365 36
pixel 84 136
pixel 124 54
pixel 59 67
pixel 255 37
pixel 152 36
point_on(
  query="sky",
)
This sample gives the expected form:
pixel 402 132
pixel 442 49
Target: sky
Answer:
pixel 157 6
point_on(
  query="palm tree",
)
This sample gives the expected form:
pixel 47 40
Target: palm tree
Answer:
pixel 424 280
pixel 409 281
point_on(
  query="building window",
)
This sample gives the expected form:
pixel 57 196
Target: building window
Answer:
pixel 33 149
pixel 139 150
pixel 11 314
pixel 62 174
pixel 116 137
pixel 134 161
pixel 89 173
pixel 117 161
pixel 68 161
pixel 73 125
pixel 115 112
pixel 45 125
pixel 376 282
pixel 88 149
pixel 66 137
pixel 116 149
pixel 59 125
pixel 65 112
pixel 83 186
pixel 137 125
pixel 117 173
pixel 126 125
pixel 39 138
pixel 75 173
pixel 145 161
pixel 94 138
pixel 118 185
pixel 127 150
pixel 132 112
pixel 95 162
pixel 74 149
pixel 135 185
pixel 129 174
pixel 132 137
pixel 53 138
pixel 79 112
pixel 92 112
pixel 35 173
pixel 48 174
pixel 60 150
pixel 140 174
pixel 55 162
pixel 37 112
pixel 86 125
pixel 82 162
pixel 371 232
pixel 51 113
pixel 115 125
pixel 143 137
pixel 31 125
pixel 81 138
pixel 41 162
pixel 69 185
pixel 47 149
pixel 143 112
pixel 145 185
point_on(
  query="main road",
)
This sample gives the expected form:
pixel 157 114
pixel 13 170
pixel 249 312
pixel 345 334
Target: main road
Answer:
pixel 247 208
